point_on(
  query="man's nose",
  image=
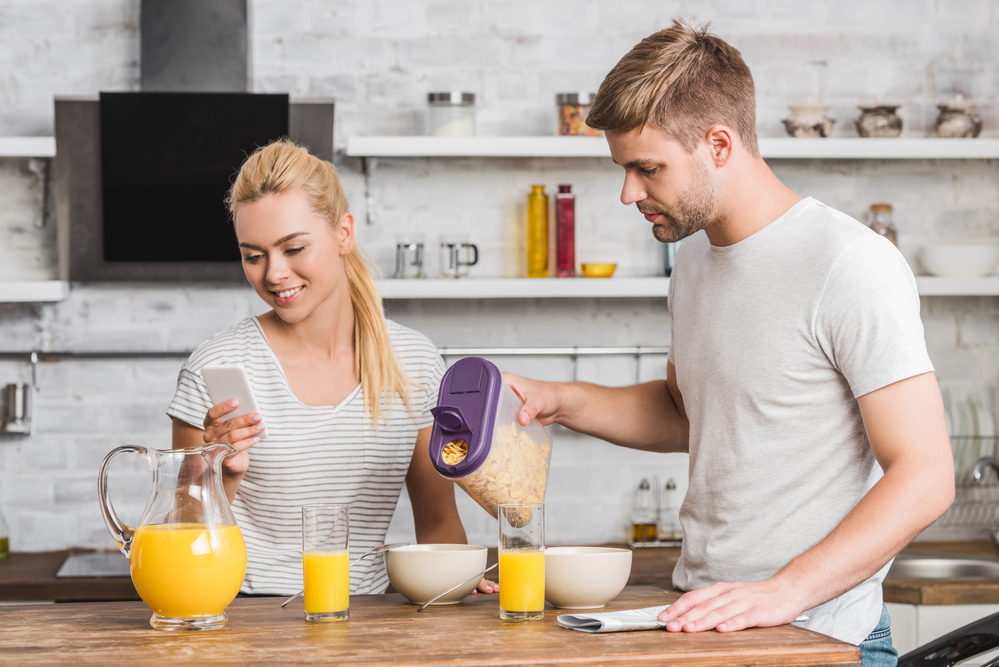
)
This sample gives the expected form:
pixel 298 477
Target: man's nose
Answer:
pixel 632 191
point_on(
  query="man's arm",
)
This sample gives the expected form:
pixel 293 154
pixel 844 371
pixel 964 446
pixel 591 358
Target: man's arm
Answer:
pixel 908 433
pixel 646 416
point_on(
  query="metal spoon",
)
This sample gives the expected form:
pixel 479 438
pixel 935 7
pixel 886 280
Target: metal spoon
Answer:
pixel 450 590
pixel 379 548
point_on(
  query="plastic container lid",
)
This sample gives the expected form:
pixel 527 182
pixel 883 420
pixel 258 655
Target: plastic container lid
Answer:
pixel 466 409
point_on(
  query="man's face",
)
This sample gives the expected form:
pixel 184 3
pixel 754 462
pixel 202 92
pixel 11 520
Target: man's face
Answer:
pixel 676 191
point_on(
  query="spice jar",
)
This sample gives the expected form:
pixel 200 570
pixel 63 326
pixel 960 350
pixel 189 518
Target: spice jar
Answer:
pixel 881 222
pixel 572 111
pixel 669 515
pixel 451 114
pixel 478 443
pixel 565 232
pixel 643 514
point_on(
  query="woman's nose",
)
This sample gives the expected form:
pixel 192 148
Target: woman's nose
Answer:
pixel 277 270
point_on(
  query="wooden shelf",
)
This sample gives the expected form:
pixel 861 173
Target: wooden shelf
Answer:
pixel 770 147
pixel 933 286
pixel 524 288
pixel 33 291
pixel 27 147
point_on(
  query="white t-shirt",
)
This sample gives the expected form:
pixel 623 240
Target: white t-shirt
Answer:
pixel 313 454
pixel 774 339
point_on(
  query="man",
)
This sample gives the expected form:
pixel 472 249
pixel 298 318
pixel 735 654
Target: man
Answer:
pixel 797 374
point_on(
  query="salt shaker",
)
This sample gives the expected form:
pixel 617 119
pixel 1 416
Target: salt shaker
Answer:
pixel 881 222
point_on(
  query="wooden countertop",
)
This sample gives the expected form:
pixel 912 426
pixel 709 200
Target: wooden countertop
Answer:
pixel 386 630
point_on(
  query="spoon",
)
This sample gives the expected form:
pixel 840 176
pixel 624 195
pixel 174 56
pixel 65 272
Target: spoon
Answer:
pixel 379 548
pixel 450 590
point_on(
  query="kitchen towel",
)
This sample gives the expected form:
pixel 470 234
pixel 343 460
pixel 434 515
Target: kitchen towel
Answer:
pixel 621 621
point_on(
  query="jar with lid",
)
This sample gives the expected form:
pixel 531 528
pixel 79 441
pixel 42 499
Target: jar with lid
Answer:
pixel 882 224
pixel 451 114
pixel 572 111
pixel 565 231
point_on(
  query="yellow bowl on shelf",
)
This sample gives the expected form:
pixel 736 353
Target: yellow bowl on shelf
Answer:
pixel 598 270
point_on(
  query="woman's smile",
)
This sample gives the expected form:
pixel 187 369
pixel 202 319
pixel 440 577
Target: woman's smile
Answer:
pixel 284 297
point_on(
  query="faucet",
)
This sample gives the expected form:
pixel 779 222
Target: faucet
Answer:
pixel 977 474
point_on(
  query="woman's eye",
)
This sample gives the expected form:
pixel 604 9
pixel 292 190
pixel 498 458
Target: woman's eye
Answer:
pixel 295 251
pixel 253 259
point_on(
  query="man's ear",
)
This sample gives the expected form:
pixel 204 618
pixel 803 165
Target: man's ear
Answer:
pixel 345 234
pixel 720 140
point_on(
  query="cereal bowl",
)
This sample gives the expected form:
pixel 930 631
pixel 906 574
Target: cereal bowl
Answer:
pixel 422 571
pixel 598 270
pixel 585 577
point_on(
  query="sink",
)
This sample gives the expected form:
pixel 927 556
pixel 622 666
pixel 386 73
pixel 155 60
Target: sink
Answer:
pixel 943 566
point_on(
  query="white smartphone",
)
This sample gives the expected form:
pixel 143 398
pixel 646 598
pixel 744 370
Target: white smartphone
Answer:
pixel 226 383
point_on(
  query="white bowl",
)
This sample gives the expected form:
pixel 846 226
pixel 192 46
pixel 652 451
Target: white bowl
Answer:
pixel 585 577
pixel 422 571
pixel 959 261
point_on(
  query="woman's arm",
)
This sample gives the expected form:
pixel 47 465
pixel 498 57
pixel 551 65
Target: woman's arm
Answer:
pixel 434 511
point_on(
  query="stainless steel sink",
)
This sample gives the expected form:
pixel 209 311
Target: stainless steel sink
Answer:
pixel 943 566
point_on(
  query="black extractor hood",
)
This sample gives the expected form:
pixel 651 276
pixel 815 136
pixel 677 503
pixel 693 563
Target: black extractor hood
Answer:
pixel 140 175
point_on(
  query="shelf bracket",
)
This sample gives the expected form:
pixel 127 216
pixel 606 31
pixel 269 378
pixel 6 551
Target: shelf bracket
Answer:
pixel 368 167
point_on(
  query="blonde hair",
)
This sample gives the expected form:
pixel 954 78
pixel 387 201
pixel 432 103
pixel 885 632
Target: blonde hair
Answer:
pixel 681 81
pixel 283 166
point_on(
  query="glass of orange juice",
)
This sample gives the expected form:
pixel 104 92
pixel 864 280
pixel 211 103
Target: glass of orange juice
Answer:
pixel 326 562
pixel 522 561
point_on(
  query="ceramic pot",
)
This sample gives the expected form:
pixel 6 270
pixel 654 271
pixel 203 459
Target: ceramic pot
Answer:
pixel 809 121
pixel 878 121
pixel 957 121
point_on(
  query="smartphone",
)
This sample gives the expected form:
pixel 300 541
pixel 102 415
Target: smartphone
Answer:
pixel 226 383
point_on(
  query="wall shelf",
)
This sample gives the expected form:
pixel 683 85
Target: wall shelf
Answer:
pixel 524 288
pixel 33 291
pixel 27 147
pixel 770 147
pixel 933 286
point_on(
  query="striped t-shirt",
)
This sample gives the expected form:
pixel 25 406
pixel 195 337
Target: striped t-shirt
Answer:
pixel 313 454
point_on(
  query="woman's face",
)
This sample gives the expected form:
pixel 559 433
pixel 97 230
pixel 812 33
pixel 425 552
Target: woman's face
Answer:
pixel 292 257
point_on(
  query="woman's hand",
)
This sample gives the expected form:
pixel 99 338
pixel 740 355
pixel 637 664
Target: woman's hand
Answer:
pixel 486 586
pixel 240 432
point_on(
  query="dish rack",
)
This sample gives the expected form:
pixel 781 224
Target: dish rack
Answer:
pixel 976 504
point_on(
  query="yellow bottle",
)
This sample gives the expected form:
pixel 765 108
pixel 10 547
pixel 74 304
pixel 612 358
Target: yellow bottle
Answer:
pixel 537 233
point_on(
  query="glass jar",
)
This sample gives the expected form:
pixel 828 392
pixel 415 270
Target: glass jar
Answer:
pixel 572 111
pixel 643 514
pixel 537 232
pixel 565 232
pixel 882 224
pixel 451 114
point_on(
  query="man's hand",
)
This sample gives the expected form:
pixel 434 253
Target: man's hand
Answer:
pixel 730 607
pixel 540 399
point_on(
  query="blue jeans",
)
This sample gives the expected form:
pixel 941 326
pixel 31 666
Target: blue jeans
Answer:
pixel 876 650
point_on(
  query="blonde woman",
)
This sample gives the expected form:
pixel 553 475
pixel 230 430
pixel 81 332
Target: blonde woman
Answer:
pixel 346 394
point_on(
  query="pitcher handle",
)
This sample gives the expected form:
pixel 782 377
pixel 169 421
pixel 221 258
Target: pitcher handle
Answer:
pixel 120 532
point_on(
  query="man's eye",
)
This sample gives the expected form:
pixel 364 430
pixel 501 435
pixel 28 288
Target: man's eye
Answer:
pixel 649 172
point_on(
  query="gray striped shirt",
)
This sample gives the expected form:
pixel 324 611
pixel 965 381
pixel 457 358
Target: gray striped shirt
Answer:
pixel 313 454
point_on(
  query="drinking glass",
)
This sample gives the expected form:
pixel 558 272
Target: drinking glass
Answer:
pixel 522 561
pixel 326 562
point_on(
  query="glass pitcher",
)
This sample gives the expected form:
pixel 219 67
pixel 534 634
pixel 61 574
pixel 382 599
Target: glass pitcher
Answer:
pixel 187 556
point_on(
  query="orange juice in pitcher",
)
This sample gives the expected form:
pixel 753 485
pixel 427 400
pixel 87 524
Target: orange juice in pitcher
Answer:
pixel 187 569
pixel 187 557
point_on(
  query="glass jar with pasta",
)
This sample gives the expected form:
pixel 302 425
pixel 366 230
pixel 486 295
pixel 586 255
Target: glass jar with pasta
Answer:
pixel 478 443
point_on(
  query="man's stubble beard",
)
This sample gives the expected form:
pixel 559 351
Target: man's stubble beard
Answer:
pixel 695 210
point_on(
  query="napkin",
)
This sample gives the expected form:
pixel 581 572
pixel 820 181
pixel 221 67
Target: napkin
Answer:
pixel 621 621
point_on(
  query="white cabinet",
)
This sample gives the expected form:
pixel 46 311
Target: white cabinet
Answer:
pixel 913 626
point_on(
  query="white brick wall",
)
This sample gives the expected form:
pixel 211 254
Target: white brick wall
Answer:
pixel 378 58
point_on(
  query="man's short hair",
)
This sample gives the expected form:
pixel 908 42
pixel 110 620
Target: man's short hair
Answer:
pixel 681 81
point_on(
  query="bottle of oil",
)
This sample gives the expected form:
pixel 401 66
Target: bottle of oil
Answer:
pixel 643 514
pixel 4 539
pixel 537 233
pixel 669 515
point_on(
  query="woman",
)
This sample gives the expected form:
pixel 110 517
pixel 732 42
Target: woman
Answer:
pixel 346 393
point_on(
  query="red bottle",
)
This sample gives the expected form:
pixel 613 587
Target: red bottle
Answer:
pixel 565 221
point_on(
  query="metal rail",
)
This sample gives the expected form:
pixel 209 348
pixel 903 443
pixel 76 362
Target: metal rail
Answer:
pixel 574 353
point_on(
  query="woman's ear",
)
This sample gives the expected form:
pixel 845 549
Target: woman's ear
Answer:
pixel 345 234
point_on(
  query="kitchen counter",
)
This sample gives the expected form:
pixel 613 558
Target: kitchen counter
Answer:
pixel 945 591
pixel 32 577
pixel 386 630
